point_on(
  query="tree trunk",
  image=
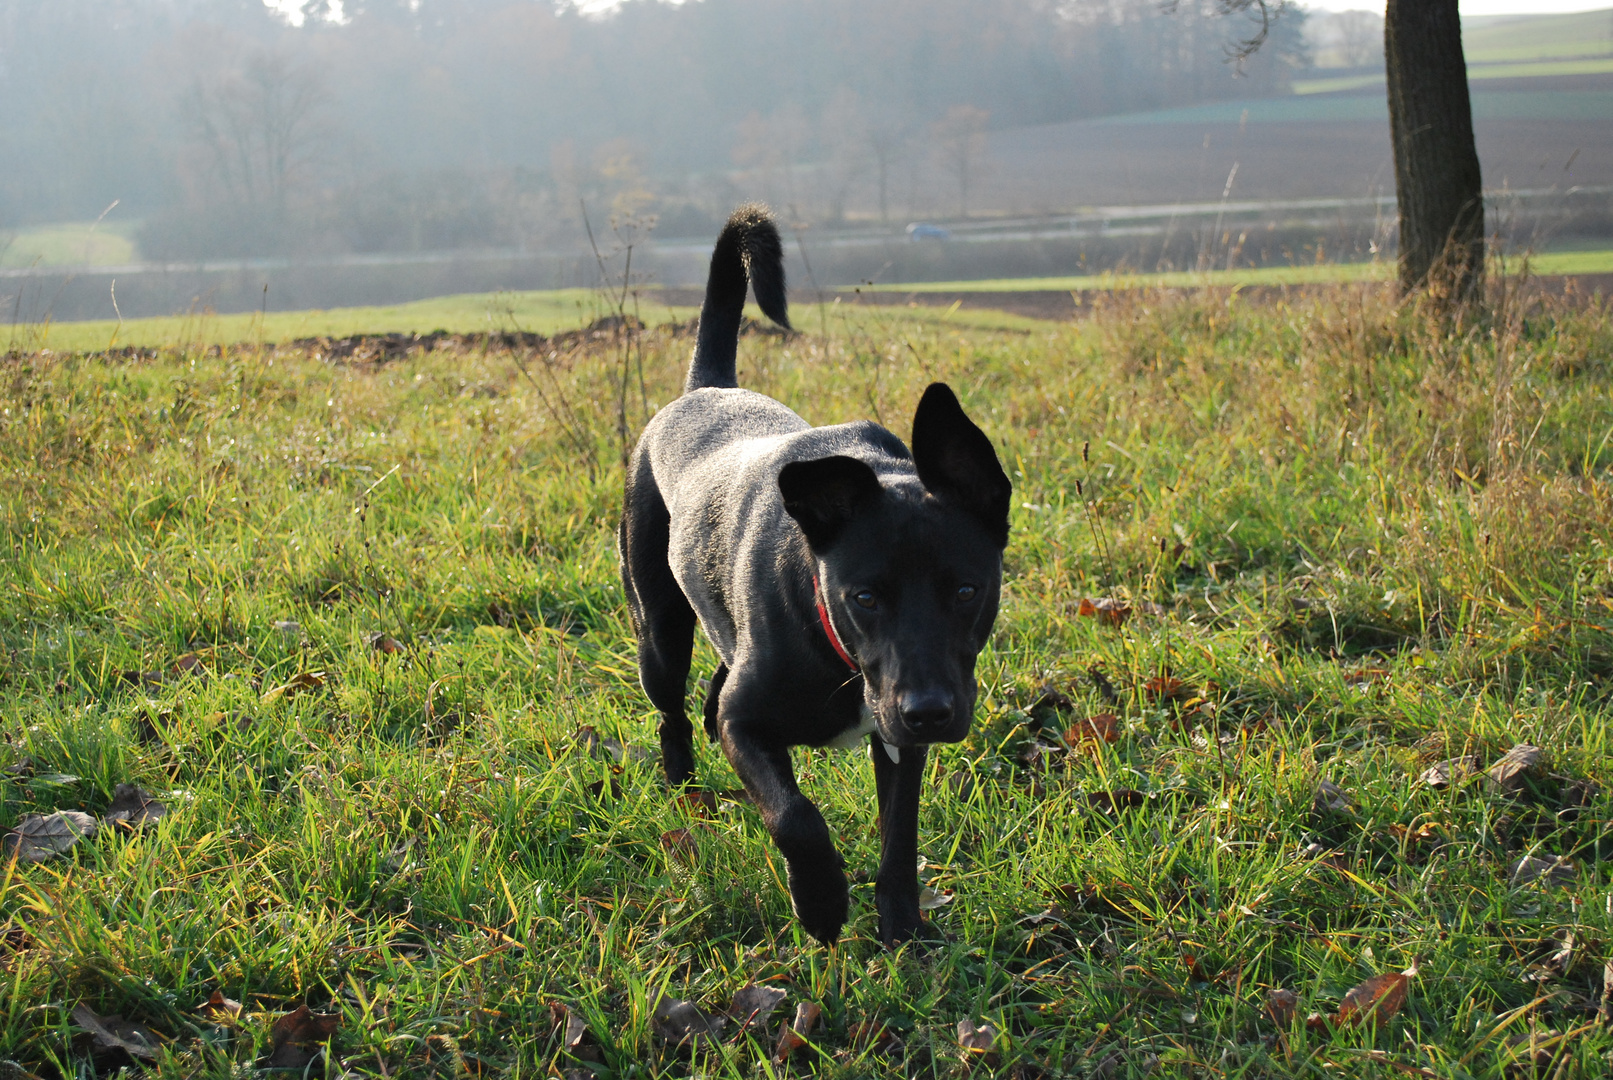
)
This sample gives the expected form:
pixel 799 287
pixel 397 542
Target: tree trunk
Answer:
pixel 1437 181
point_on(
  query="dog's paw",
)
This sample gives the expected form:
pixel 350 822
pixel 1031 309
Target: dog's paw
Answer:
pixel 894 934
pixel 819 896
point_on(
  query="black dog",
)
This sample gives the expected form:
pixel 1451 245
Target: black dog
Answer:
pixel 847 585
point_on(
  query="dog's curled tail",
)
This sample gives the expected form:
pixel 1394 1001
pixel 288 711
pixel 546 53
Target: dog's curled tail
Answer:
pixel 748 251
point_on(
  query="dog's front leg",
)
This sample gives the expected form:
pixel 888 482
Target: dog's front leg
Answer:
pixel 816 872
pixel 896 887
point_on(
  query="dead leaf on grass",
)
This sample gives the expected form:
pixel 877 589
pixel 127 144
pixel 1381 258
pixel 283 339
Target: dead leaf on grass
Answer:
pixel 931 900
pixel 112 1034
pixel 1555 873
pixel 698 802
pixel 299 1037
pixel 134 808
pixel 385 644
pixel 1282 1006
pixel 1167 688
pixel 753 1006
pixel 684 1024
pixel 220 1009
pixel 1377 999
pixel 977 1038
pixel 1453 771
pixel 1330 798
pixel 1118 799
pixel 874 1037
pixel 1107 610
pixel 1509 773
pixel 38 837
pixel 796 1033
pixel 1102 728
pixel 680 845
pixel 298 683
pixel 573 1032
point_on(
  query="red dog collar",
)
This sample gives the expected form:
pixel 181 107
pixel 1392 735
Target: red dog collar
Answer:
pixel 829 627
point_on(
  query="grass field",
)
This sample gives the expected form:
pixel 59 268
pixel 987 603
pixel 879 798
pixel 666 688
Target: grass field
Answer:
pixel 1549 263
pixel 1540 37
pixel 547 312
pixel 73 244
pixel 357 627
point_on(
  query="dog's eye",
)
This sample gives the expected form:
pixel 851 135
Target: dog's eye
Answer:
pixel 865 599
pixel 966 593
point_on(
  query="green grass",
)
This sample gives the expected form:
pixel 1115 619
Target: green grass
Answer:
pixel 81 243
pixel 1547 263
pixel 543 312
pixel 1540 37
pixel 1375 542
pixel 1527 69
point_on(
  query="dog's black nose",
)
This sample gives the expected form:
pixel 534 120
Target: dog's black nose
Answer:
pixel 925 712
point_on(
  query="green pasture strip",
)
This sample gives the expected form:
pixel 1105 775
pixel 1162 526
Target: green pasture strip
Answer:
pixel 1552 263
pixel 544 312
pixel 79 243
pixel 539 312
pixel 359 629
pixel 1321 273
pixel 1541 37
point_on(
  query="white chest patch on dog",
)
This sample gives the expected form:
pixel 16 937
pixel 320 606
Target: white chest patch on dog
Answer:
pixel 847 739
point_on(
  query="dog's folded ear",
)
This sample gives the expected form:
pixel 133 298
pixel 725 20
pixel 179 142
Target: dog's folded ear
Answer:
pixel 824 494
pixel 956 461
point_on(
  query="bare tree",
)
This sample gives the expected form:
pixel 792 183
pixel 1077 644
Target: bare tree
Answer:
pixel 1360 37
pixel 257 122
pixel 960 140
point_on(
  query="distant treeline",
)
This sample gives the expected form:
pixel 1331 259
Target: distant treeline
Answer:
pixel 406 125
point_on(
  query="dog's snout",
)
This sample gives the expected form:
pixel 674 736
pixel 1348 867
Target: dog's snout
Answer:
pixel 925 712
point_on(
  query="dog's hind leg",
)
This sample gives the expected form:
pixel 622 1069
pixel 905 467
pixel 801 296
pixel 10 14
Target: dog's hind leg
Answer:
pixel 662 618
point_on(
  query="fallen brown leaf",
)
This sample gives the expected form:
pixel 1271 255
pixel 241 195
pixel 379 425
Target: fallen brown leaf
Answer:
pixel 698 802
pixel 976 1038
pixel 133 808
pixel 111 1034
pixel 753 1006
pixel 1282 1006
pixel 38 837
pixel 1102 728
pixel 1118 799
pixel 385 644
pixel 220 1009
pixel 1555 873
pixel 1167 688
pixel 1453 771
pixel 1509 773
pixel 298 1038
pixel 873 1036
pixel 573 1032
pixel 1377 999
pixel 683 1023
pixel 1331 799
pixel 680 845
pixel 298 683
pixel 796 1033
pixel 1107 610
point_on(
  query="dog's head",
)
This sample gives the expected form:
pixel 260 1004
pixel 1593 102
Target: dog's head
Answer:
pixel 910 569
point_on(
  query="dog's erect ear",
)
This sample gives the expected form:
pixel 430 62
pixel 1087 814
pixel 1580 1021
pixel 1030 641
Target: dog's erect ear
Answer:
pixel 956 461
pixel 823 495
